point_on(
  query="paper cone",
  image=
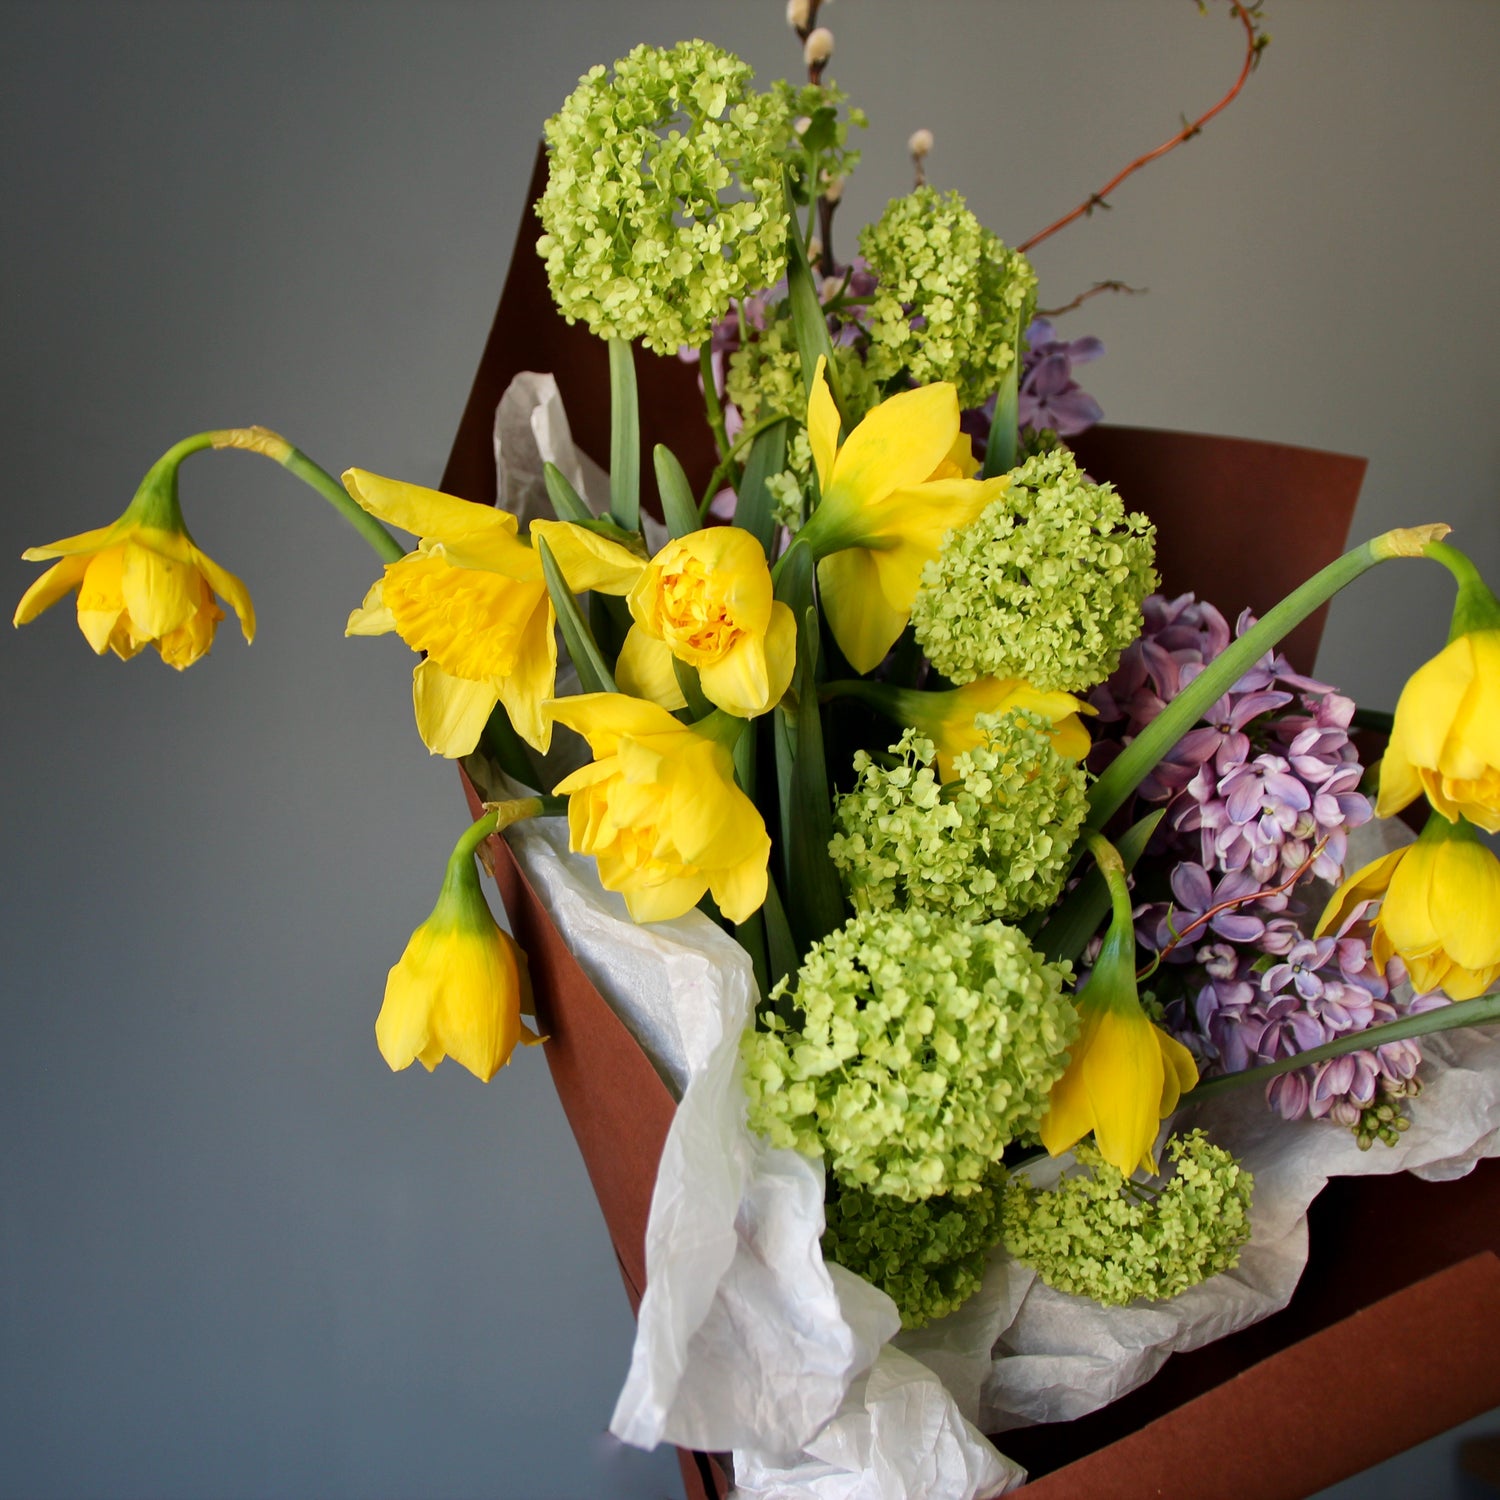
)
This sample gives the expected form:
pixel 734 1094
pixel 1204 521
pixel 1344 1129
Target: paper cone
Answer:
pixel 1261 1413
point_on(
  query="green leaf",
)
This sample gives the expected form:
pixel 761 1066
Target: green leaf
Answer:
pixel 679 507
pixel 822 129
pixel 499 740
pixel 624 437
pixel 687 679
pixel 567 503
pixel 781 950
pixel 809 324
pixel 1000 454
pixel 593 674
pixel 1071 925
pixel 754 509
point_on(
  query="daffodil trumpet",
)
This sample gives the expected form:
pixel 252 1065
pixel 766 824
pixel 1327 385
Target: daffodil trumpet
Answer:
pixel 460 988
pixel 1141 755
pixel 1445 733
pixel 1125 1074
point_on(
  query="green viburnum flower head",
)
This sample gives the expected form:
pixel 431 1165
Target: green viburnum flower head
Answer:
pixel 819 110
pixel 764 379
pixel 992 843
pixel 664 197
pixel 1046 584
pixel 1100 1235
pixel 934 260
pixel 918 1048
pixel 927 1257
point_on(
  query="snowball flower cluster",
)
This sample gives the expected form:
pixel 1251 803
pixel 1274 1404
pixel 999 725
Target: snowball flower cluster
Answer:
pixel 993 843
pixel 1098 1235
pixel 1046 584
pixel 917 1049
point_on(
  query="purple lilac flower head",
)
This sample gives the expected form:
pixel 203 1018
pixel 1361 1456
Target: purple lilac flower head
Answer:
pixel 1049 397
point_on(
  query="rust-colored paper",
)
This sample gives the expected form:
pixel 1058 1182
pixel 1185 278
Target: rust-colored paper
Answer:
pixel 1373 1385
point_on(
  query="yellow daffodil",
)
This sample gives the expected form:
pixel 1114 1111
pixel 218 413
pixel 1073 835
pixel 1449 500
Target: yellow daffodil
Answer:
pixel 659 808
pixel 461 985
pixel 1439 909
pixel 141 581
pixel 948 718
pixel 705 599
pixel 1125 1074
pixel 473 598
pixel 1446 739
pixel 900 482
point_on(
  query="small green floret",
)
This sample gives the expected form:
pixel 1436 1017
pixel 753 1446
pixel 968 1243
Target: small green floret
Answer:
pixel 1046 584
pixel 927 1257
pixel 664 198
pixel 918 1048
pixel 1099 1235
pixel 993 843
pixel 818 120
pixel 936 262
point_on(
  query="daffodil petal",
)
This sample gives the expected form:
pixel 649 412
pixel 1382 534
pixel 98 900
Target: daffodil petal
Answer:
pixel 1123 1073
pixel 1179 1071
pixel 459 524
pixel 451 711
pixel 1365 884
pixel 603 718
pixel 161 592
pixel 740 889
pixel 1431 699
pixel 531 682
pixel 1400 784
pixel 1464 903
pixel 898 445
pixel 644 670
pixel 230 589
pixel 862 620
pixel 85 542
pixel 56 583
pixel 372 617
pixel 588 560
pixel 1069 1115
pixel 822 423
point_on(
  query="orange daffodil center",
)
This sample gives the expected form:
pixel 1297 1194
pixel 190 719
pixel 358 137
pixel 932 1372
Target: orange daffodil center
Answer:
pixel 474 599
pixel 706 599
pixel 891 492
pixel 660 811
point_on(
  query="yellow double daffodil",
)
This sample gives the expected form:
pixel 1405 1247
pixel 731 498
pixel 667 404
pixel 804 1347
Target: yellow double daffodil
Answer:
pixel 659 808
pixel 461 985
pixel 896 486
pixel 141 581
pixel 1439 909
pixel 1125 1074
pixel 1446 738
pixel 474 599
pixel 706 600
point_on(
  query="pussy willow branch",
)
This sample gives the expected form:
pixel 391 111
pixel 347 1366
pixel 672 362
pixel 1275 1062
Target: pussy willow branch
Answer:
pixel 1093 291
pixel 1204 918
pixel 1249 18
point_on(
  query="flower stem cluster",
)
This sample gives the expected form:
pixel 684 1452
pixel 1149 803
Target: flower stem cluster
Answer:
pixel 1100 1234
pixel 992 843
pixel 927 1257
pixel 951 299
pixel 1047 584
pixel 664 199
pixel 916 1049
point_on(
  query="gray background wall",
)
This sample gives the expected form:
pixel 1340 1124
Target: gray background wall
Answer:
pixel 237 1256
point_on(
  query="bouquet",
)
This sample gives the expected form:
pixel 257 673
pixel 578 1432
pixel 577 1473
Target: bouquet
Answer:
pixel 980 859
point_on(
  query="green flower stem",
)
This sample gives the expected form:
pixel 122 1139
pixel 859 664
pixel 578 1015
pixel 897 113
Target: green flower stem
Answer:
pixel 1481 1012
pixel 272 445
pixel 1131 766
pixel 727 463
pixel 1476 607
pixel 496 818
pixel 1112 868
pixel 712 402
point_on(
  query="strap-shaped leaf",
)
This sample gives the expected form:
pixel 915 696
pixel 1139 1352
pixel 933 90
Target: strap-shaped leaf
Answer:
pixel 754 509
pixel 679 507
pixel 1072 924
pixel 687 679
pixel 624 437
pixel 809 322
pixel 567 503
pixel 1000 455
pixel 781 949
pixel 593 674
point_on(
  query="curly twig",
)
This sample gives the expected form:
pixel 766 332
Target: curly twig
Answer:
pixel 1248 14
pixel 1093 291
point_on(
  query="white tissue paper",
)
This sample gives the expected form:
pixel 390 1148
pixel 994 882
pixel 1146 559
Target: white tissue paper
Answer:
pixel 747 1341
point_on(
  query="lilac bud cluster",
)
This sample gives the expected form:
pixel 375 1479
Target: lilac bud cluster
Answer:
pixel 1259 799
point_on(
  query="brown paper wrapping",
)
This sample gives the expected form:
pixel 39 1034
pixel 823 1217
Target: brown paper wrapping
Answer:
pixel 1390 1336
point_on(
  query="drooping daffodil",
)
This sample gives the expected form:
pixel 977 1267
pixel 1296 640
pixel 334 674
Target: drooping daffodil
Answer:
pixel 897 485
pixel 1446 737
pixel 1125 1074
pixel 1439 909
pixel 142 581
pixel 659 809
pixel 460 987
pixel 705 599
pixel 474 599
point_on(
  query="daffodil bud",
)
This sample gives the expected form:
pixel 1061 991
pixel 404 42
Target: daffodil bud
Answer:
pixel 142 581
